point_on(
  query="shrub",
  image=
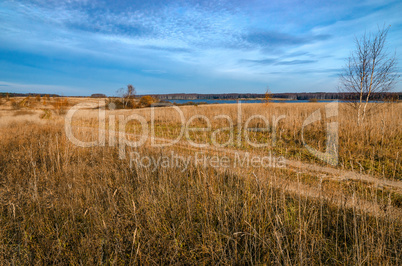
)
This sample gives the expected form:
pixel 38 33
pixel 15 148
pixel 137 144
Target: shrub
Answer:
pixel 14 104
pixel 60 106
pixel 46 100
pixel 147 100
pixel 118 104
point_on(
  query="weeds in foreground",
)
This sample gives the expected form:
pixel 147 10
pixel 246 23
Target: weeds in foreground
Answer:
pixel 63 204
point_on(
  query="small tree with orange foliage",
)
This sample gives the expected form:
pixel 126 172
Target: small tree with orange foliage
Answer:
pixel 268 96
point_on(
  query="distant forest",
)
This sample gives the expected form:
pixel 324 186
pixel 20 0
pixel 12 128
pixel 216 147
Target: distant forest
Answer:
pixel 290 96
pixel 234 96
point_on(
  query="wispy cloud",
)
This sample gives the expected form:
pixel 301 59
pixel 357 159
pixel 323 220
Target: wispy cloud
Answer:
pixel 38 88
pixel 278 62
pixel 167 49
pixel 273 39
pixel 330 71
pixel 296 62
pixel 266 61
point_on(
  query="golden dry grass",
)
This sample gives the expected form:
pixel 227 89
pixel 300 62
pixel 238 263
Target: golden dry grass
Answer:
pixel 63 204
pixel 372 148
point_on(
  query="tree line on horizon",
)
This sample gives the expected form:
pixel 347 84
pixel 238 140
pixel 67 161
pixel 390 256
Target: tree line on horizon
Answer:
pixel 227 96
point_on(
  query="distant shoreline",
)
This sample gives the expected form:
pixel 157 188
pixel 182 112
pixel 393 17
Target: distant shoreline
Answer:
pixel 316 96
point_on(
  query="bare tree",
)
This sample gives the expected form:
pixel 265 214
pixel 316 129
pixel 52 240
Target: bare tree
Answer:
pixel 126 94
pixel 370 69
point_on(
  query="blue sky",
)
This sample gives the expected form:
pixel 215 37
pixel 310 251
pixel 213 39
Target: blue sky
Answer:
pixel 80 47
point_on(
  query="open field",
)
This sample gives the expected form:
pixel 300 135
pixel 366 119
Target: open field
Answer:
pixel 61 203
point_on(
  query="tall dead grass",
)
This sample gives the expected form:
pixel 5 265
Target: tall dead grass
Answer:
pixel 372 148
pixel 68 205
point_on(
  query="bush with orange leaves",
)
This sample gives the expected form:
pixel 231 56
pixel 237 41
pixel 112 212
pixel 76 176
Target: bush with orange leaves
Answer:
pixel 60 105
pixel 147 100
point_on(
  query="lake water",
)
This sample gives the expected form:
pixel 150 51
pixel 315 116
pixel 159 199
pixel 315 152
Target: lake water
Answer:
pixel 209 101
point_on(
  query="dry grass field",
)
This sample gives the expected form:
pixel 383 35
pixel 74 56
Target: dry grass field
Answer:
pixel 65 204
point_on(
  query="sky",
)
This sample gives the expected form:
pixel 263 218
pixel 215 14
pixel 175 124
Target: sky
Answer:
pixel 80 47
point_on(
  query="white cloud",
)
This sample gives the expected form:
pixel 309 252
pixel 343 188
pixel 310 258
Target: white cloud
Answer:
pixel 39 88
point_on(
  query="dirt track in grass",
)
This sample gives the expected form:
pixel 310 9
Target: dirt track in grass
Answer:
pixel 279 178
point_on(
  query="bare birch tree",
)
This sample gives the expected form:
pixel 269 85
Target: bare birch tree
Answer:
pixel 126 94
pixel 370 69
